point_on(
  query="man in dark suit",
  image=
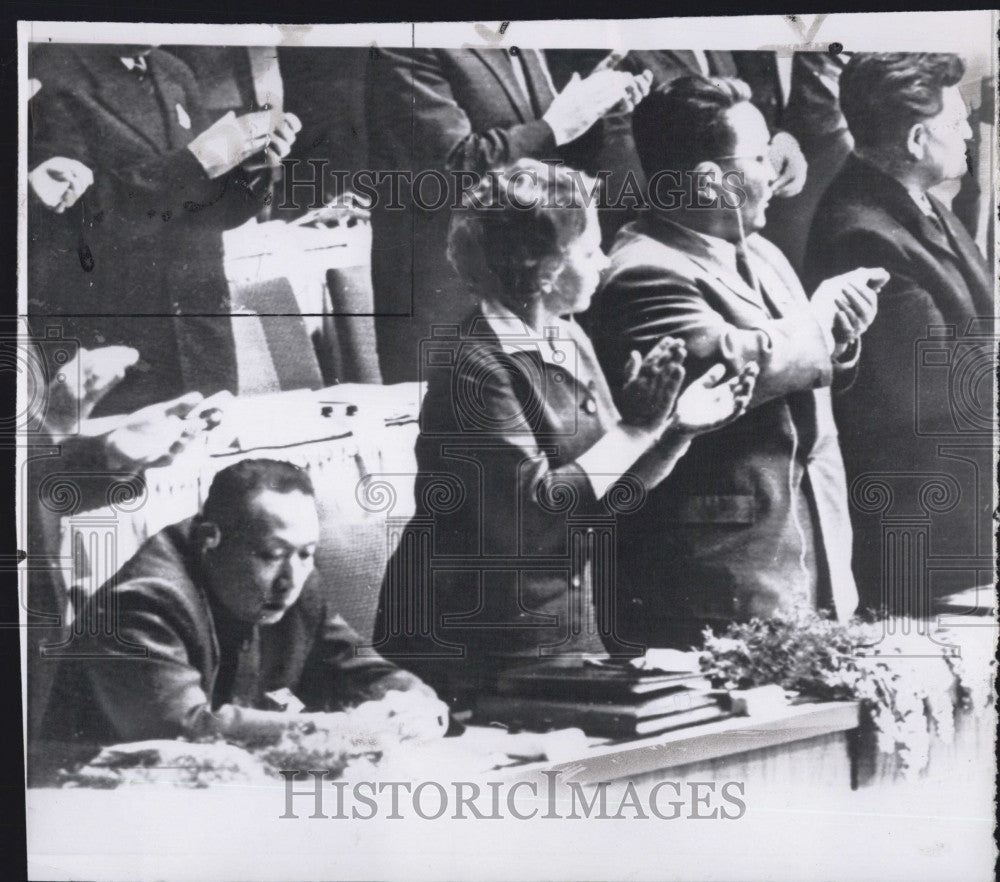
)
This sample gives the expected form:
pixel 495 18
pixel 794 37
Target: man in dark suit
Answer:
pixel 910 130
pixel 456 111
pixel 137 260
pixel 754 519
pixel 219 626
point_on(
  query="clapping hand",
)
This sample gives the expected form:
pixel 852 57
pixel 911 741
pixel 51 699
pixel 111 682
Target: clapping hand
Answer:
pixel 99 371
pixel 231 140
pixel 652 384
pixel 847 304
pixel 790 163
pixel 858 304
pixel 59 182
pixel 584 101
pixel 709 403
pixel 154 435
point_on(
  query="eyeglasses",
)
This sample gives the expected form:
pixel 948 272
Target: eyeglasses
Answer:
pixel 758 158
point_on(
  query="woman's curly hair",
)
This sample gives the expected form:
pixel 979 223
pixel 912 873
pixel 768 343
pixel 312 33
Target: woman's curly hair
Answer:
pixel 510 234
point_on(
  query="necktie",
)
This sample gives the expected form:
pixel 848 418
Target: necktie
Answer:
pixel 746 272
pixel 139 66
pixel 935 220
pixel 802 403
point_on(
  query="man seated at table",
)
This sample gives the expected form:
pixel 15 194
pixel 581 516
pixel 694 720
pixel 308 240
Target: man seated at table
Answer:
pixel 754 519
pixel 220 626
pixel 92 457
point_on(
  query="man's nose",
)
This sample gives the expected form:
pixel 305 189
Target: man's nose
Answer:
pixel 771 173
pixel 295 571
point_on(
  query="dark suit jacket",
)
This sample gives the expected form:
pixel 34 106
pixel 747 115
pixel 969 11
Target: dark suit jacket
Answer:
pixel 667 65
pixel 486 574
pixel 440 110
pixel 722 537
pixel 157 654
pixel 809 111
pixel 145 239
pixel 899 411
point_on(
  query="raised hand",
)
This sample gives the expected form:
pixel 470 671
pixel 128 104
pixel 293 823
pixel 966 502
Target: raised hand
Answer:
pixel 99 371
pixel 584 101
pixel 846 304
pixel 790 163
pixel 59 182
pixel 154 435
pixel 858 303
pixel 652 384
pixel 283 136
pixel 709 403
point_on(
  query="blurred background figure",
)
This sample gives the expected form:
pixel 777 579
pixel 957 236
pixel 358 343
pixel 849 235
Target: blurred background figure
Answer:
pixel 137 259
pixel 460 110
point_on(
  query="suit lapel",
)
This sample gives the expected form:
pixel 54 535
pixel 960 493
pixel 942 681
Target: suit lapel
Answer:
pixel 499 64
pixel 172 97
pixel 931 234
pixel 721 64
pixel 699 254
pixel 892 195
pixel 970 260
pixel 120 92
pixel 731 280
pixel 686 60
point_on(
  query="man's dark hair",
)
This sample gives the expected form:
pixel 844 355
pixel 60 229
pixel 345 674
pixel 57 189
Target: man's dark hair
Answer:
pixel 884 94
pixel 682 123
pixel 234 485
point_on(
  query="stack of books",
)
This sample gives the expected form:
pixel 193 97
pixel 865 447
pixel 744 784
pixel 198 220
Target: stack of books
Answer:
pixel 603 697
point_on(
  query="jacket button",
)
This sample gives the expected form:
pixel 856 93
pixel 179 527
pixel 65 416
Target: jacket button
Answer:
pixel 589 406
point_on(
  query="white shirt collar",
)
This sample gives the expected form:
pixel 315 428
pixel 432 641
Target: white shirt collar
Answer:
pixel 131 62
pixel 923 202
pixel 556 346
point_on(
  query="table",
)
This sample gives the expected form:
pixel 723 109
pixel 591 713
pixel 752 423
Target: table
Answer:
pixel 805 743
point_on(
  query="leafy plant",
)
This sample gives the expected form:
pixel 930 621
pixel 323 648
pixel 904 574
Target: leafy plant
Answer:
pixel 908 686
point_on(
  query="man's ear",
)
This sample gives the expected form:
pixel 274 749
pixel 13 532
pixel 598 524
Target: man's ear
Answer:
pixel 547 272
pixel 207 536
pixel 707 183
pixel 916 141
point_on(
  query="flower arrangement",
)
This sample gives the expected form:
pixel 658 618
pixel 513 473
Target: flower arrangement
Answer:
pixel 909 683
